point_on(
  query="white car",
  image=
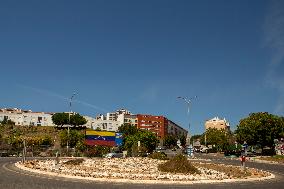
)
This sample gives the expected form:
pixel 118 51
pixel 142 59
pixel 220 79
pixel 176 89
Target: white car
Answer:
pixel 113 155
pixel 204 150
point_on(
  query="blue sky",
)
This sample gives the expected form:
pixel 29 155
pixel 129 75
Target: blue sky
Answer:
pixel 141 55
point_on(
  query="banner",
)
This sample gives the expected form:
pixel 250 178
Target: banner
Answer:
pixel 118 139
pixel 103 138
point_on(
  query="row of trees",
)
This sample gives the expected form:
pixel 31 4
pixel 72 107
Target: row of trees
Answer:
pixel 261 129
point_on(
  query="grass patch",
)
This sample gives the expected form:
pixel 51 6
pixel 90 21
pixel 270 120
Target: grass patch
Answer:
pixel 276 158
pixel 178 164
pixel 231 171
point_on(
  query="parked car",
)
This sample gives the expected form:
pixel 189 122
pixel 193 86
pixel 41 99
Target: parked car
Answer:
pixel 204 150
pixel 251 154
pixel 113 155
pixel 160 149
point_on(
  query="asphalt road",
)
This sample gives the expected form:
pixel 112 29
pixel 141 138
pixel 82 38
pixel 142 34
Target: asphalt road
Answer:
pixel 13 178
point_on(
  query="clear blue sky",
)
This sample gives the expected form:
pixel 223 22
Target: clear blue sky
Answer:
pixel 141 55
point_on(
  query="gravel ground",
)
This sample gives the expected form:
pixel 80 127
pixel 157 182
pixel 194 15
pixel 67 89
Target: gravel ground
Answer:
pixel 139 169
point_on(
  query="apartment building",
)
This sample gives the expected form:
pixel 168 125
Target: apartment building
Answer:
pixel 128 119
pixel 160 126
pixel 175 129
pixel 26 117
pixel 217 123
pixel 101 124
pixel 155 124
pixel 111 121
pixel 114 115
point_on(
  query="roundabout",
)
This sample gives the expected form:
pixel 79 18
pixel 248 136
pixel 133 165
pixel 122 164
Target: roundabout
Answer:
pixel 141 170
pixel 12 178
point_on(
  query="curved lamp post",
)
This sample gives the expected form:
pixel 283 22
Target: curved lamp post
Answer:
pixel 70 106
pixel 187 101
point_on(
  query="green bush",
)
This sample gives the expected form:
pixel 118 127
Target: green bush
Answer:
pixel 158 155
pixel 178 164
pixel 268 152
pixel 96 151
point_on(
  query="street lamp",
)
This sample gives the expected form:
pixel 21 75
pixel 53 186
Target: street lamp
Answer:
pixel 187 101
pixel 70 106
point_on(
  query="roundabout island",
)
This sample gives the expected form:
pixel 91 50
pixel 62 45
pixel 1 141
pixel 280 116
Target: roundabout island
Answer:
pixel 141 170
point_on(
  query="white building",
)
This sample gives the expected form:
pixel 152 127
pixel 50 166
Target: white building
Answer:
pixel 217 123
pixel 111 121
pixel 114 115
pixel 127 118
pixel 26 118
pixel 101 124
pixel 111 116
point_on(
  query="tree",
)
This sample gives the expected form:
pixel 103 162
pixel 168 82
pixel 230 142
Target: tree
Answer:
pixel 219 138
pixel 77 120
pixel 182 139
pixel 260 129
pixel 7 121
pixel 194 138
pixel 170 141
pixel 61 119
pixel 74 137
pixel 131 136
pixel 147 139
pixel 127 129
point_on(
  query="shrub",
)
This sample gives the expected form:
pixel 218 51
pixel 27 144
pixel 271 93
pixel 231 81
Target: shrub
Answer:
pixel 96 151
pixel 158 155
pixel 178 164
pixel 74 162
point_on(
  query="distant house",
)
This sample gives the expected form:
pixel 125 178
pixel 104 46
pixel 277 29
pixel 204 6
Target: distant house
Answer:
pixel 217 123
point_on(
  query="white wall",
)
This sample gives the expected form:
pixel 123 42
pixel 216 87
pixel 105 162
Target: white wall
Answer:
pixel 31 118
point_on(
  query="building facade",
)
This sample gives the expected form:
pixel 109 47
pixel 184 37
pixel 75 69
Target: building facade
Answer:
pixel 128 119
pixel 160 126
pixel 175 129
pixel 101 124
pixel 111 121
pixel 217 123
pixel 155 124
pixel 26 117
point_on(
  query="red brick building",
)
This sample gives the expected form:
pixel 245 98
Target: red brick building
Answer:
pixel 159 125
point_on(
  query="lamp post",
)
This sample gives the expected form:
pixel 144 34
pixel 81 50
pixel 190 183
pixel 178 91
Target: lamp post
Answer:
pixel 70 106
pixel 187 101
